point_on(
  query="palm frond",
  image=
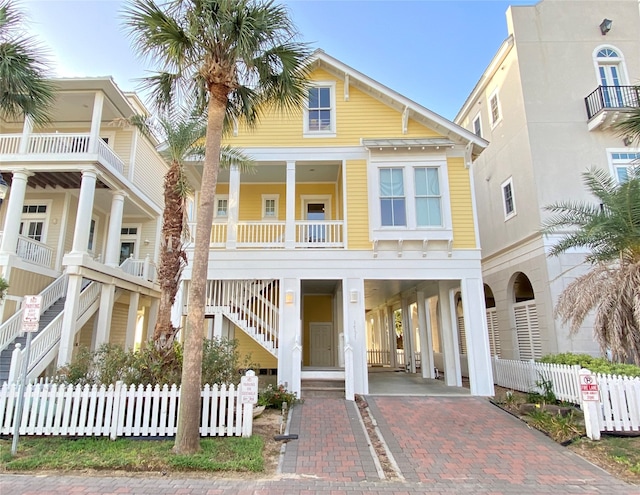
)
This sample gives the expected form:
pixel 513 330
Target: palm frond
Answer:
pixel 630 125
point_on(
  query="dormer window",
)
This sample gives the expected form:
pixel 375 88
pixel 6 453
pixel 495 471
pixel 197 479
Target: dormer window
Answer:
pixel 319 114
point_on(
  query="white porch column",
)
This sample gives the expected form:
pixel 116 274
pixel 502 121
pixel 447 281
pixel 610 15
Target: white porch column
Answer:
pixel 217 325
pixel 103 329
pixel 451 357
pixel 393 343
pixel 27 130
pixel 234 206
pixel 290 225
pixel 426 342
pixel 69 319
pixel 289 335
pixel 477 336
pixel 85 209
pixel 355 332
pixel 96 120
pixel 132 320
pixel 407 334
pixel 112 255
pixel 14 211
pixel 177 309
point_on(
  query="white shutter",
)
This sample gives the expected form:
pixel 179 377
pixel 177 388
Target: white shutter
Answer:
pixel 494 335
pixel 462 336
pixel 527 330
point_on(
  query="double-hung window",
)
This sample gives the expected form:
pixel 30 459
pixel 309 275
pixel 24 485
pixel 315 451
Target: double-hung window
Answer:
pixel 392 197
pixel 622 161
pixel 477 126
pixel 270 206
pixel 319 112
pixel 508 199
pixel 428 197
pixel 222 206
pixel 494 108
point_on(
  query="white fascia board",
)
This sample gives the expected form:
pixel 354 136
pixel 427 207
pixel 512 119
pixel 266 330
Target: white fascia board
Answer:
pixel 310 153
pixel 486 77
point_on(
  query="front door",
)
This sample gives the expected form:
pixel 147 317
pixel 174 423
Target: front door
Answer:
pixel 127 249
pixel 316 213
pixel 610 78
pixel 321 344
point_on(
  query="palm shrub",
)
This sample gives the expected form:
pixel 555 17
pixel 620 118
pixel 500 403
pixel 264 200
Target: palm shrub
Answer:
pixel 610 229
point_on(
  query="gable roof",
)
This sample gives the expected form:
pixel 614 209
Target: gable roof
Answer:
pixel 405 106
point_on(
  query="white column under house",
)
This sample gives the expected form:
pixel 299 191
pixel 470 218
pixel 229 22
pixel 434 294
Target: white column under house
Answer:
pixel 449 334
pixel 85 210
pixel 112 255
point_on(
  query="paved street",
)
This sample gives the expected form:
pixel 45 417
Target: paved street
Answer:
pixel 461 445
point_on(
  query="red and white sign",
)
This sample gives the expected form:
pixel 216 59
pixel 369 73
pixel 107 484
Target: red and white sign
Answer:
pixel 31 313
pixel 589 386
pixel 249 389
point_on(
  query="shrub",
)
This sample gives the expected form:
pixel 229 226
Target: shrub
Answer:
pixel 547 396
pixel 221 363
pixel 274 398
pixel 594 364
pixel 559 428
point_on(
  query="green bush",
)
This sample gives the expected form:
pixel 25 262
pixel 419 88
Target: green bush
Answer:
pixel 221 363
pixel 595 365
pixel 559 428
pixel 275 397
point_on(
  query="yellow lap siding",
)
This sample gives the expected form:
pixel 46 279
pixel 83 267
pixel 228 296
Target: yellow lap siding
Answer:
pixel 357 205
pixel 359 116
pixel 258 354
pixel 461 204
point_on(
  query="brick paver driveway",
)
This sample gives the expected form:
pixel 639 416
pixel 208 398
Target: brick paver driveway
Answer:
pixel 453 445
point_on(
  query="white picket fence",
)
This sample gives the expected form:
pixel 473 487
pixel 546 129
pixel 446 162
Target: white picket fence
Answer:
pixel 619 395
pixel 118 410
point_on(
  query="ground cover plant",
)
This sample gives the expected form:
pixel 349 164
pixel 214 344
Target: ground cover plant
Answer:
pixel 594 364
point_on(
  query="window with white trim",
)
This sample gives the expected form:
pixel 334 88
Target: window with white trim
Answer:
pixel 392 198
pixel 428 197
pixel 508 199
pixel 477 126
pixel 622 163
pixel 92 234
pixel 33 222
pixel 319 111
pixel 270 206
pixel 495 114
pixel 222 206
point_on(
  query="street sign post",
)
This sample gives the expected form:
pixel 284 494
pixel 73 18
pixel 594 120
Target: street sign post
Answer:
pixel 590 402
pixel 31 306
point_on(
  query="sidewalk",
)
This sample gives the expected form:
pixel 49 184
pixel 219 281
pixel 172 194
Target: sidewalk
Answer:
pixel 443 445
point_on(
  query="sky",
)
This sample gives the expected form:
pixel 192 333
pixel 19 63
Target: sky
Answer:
pixel 432 52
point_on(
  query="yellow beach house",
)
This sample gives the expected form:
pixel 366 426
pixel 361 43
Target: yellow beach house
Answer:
pixel 354 244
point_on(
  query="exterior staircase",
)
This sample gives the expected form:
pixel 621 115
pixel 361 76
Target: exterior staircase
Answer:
pixel 251 305
pixel 322 388
pixel 45 319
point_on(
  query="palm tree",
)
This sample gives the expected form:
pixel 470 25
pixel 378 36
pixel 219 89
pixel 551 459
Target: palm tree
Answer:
pixel 235 57
pixel 610 230
pixel 630 126
pixel 24 89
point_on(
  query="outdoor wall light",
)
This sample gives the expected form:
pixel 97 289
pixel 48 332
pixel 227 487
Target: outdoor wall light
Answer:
pixel 289 297
pixel 605 26
pixel 353 296
pixel 627 140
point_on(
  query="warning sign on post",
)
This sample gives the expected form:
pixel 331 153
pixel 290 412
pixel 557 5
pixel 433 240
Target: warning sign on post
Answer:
pixel 249 389
pixel 589 386
pixel 31 313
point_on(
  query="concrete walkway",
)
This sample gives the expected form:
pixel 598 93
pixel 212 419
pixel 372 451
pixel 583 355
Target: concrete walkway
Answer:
pixel 454 445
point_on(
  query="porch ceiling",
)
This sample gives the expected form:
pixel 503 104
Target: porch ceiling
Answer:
pixel 378 292
pixel 316 171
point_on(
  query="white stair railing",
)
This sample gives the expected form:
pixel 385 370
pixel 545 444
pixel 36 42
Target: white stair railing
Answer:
pixel 250 304
pixel 11 328
pixel 44 346
pixel 34 251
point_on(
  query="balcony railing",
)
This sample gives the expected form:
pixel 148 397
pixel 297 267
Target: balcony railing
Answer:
pixel 269 235
pixel 612 97
pixel 34 251
pixel 145 269
pixel 59 144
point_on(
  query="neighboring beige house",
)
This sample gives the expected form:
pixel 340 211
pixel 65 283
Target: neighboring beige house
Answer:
pixel 79 226
pixel 546 104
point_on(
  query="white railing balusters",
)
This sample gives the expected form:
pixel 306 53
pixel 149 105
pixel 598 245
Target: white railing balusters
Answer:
pixel 34 251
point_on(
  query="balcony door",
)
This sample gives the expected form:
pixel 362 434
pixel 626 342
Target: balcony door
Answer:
pixel 316 209
pixel 611 77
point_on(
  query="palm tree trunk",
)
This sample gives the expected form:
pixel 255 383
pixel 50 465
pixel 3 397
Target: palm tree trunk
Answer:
pixel 172 256
pixel 188 432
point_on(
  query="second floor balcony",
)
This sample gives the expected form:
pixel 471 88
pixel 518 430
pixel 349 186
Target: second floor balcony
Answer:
pixel 605 104
pixel 59 148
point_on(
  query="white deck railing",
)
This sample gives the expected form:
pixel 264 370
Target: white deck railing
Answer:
pixel 118 410
pixel 60 144
pixel 34 251
pixel 12 327
pixel 145 269
pixel 260 234
pixel 319 234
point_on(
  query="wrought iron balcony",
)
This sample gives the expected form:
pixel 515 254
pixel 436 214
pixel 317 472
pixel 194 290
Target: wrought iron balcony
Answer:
pixel 611 100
